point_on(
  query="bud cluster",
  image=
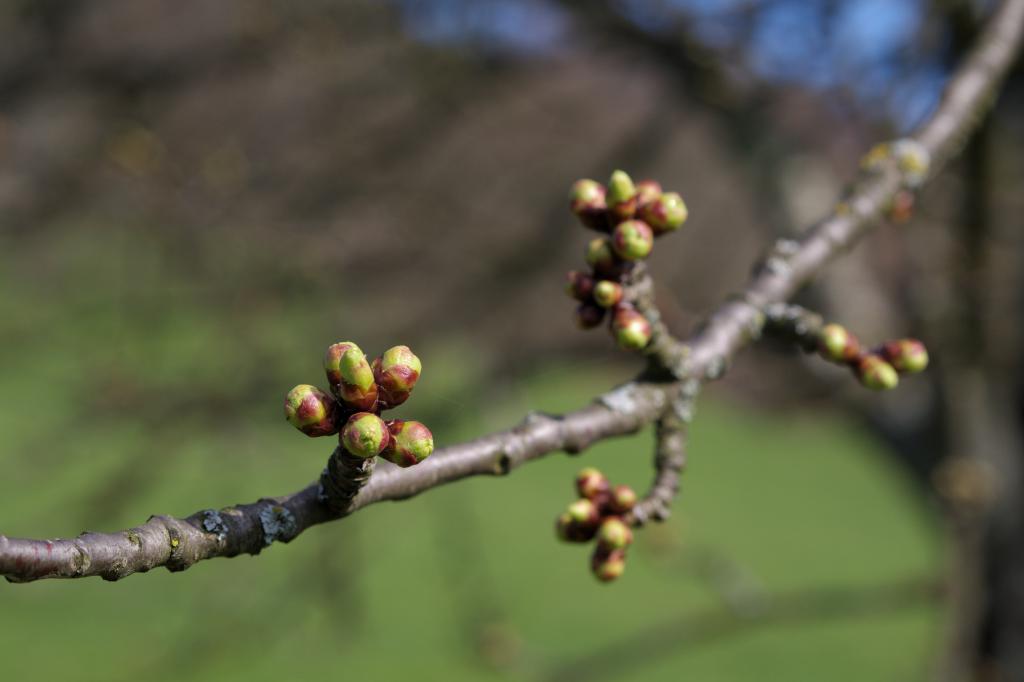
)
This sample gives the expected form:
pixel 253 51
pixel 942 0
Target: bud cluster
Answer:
pixel 630 216
pixel 360 391
pixel 878 368
pixel 598 514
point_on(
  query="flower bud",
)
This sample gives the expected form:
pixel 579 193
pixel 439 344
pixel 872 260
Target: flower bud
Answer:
pixel 601 256
pixel 621 196
pixel 589 315
pixel 332 361
pixel 587 201
pixel 607 293
pixel 665 214
pixel 837 344
pixel 913 159
pixel 396 373
pixel 584 512
pixel 590 483
pixel 311 411
pixel 607 566
pixel 365 435
pixel 579 285
pixel 631 329
pixel 632 240
pixel 614 534
pixel 357 388
pixel 570 530
pixel 908 356
pixel 875 373
pixel 646 192
pixel 411 443
pixel 623 499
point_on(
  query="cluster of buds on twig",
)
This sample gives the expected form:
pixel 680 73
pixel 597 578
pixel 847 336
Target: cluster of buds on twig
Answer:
pixel 598 514
pixel 360 391
pixel 913 161
pixel 877 368
pixel 630 216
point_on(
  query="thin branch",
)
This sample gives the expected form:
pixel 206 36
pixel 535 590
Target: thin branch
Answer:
pixel 179 543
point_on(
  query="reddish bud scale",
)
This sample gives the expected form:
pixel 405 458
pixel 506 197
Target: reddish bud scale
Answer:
pixel 311 411
pixel 579 285
pixel 396 373
pixel 837 344
pixel 608 566
pixel 614 534
pixel 570 530
pixel 647 191
pixel 332 361
pixel 365 435
pixel 665 214
pixel 623 499
pixel 590 483
pixel 587 202
pixel 585 513
pixel 875 373
pixel 601 256
pixel 632 240
pixel 621 196
pixel 411 443
pixel 607 293
pixel 589 315
pixel 907 356
pixel 632 330
pixel 357 388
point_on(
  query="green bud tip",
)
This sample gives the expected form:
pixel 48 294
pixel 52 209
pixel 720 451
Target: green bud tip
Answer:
pixel 365 435
pixel 590 483
pixel 665 214
pixel 397 372
pixel 411 443
pixel 579 285
pixel 875 373
pixel 631 329
pixel 600 255
pixel 584 512
pixel 646 192
pixel 357 388
pixel 623 499
pixel 837 344
pixel 608 566
pixel 621 196
pixel 607 294
pixel 311 411
pixel 632 240
pixel 586 196
pixel 589 315
pixel 614 534
pixel 907 356
pixel 332 360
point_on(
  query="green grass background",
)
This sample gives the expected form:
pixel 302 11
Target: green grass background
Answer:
pixel 135 395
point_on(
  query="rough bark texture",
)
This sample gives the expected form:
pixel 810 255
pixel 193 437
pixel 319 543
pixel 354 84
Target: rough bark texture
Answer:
pixel 179 543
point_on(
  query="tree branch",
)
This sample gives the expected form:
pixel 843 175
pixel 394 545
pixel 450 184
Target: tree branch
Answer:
pixel 179 543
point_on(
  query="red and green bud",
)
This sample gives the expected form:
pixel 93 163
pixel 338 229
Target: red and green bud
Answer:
pixel 396 373
pixel 601 256
pixel 591 483
pixel 875 373
pixel 614 534
pixel 608 566
pixel 579 285
pixel 646 192
pixel 632 330
pixel 623 499
pixel 632 240
pixel 666 213
pixel 837 344
pixel 365 435
pixel 570 530
pixel 357 388
pixel 332 361
pixel 607 293
pixel 621 196
pixel 311 411
pixel 585 513
pixel 907 356
pixel 411 443
pixel 587 201
pixel 589 315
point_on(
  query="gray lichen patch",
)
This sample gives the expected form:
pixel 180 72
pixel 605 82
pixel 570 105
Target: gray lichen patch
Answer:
pixel 214 523
pixel 630 399
pixel 277 523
